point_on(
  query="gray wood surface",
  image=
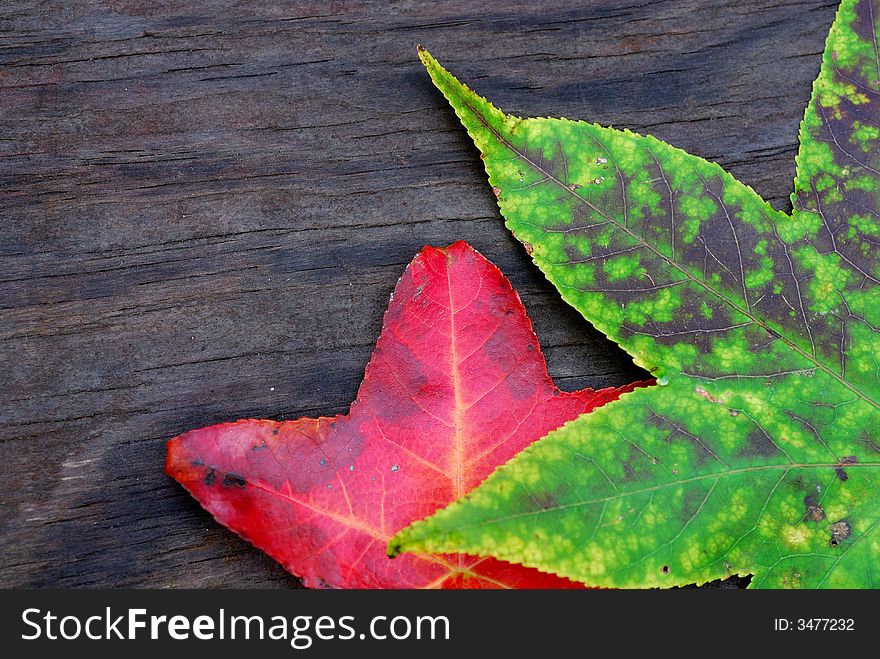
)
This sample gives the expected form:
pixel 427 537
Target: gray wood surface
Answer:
pixel 206 204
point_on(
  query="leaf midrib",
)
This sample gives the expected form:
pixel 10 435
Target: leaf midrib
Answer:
pixel 458 440
pixel 858 392
pixel 715 475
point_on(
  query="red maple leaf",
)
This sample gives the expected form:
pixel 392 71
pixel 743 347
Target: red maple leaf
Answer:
pixel 456 386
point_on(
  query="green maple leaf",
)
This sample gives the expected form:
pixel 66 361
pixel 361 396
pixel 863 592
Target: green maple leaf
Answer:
pixel 758 453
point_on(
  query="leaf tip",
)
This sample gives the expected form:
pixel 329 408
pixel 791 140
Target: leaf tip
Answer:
pixel 426 57
pixel 394 548
pixel 172 452
pixel 182 463
pixel 402 542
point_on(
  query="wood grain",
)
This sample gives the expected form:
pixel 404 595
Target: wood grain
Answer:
pixel 206 204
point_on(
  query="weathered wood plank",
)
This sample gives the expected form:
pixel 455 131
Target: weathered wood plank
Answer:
pixel 206 204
